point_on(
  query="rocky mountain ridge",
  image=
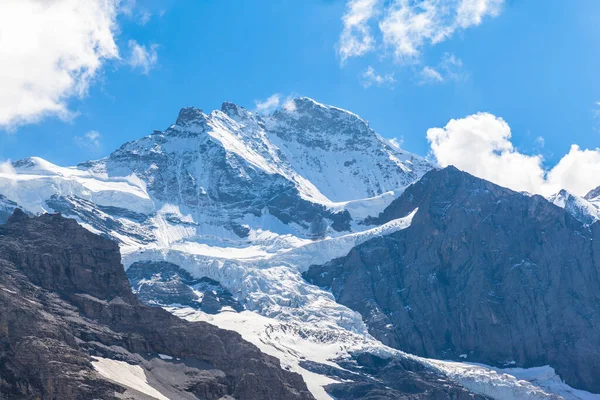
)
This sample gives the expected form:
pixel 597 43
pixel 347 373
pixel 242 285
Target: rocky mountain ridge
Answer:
pixel 482 273
pixel 70 319
pixel 218 216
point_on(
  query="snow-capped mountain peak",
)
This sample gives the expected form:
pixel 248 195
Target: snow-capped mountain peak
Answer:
pixel 593 195
pixel 238 113
pixel 316 125
pixel 249 202
pixel 189 115
pixel 585 209
pixel 234 162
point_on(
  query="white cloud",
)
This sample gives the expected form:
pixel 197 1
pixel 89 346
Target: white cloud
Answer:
pixel 449 69
pixel 431 75
pixel 356 38
pixel 268 105
pixel 6 168
pixel 452 66
pixel 406 26
pixel 472 12
pixel 540 142
pixel 396 143
pixel 142 57
pixel 91 140
pixel 369 78
pixel 127 7
pixel 144 17
pixel 50 51
pixel 289 104
pixel 481 145
pixel 578 171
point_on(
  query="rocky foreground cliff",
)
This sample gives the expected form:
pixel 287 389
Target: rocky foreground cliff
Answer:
pixel 483 274
pixel 70 328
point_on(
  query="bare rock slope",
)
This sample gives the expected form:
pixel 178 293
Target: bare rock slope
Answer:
pixel 482 273
pixel 66 304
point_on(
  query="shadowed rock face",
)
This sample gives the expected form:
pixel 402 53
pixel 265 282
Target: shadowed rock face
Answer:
pixel 163 284
pixel 64 298
pixel 483 271
pixel 369 377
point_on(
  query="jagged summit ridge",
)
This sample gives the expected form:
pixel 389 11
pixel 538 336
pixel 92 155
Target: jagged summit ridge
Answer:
pixel 237 163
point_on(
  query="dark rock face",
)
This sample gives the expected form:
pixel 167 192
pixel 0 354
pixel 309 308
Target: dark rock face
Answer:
pixel 369 377
pixel 501 277
pixel 163 283
pixel 64 298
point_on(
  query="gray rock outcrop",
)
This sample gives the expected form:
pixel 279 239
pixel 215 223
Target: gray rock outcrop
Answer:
pixel 482 272
pixel 64 298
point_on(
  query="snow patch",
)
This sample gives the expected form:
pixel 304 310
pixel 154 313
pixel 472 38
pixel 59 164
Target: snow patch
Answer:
pixel 131 376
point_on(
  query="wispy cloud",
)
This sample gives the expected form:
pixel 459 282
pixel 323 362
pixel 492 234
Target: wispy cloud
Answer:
pixel 144 17
pixel 356 38
pixel 431 75
pixel 370 78
pixel 405 27
pixel 91 140
pixel 142 57
pixel 540 142
pixel 269 105
pixel 448 69
pixel 396 143
pixel 6 168
pixel 127 7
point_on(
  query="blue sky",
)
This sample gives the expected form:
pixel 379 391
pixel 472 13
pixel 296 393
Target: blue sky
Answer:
pixel 534 64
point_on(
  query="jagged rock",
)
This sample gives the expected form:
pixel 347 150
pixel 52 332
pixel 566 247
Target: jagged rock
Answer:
pixel 369 377
pixel 500 277
pixel 64 298
pixel 232 163
pixel 164 284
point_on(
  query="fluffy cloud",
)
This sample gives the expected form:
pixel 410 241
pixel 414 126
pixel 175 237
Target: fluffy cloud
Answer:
pixel 370 78
pixel 51 51
pixel 481 145
pixel 406 26
pixel 578 171
pixel 142 57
